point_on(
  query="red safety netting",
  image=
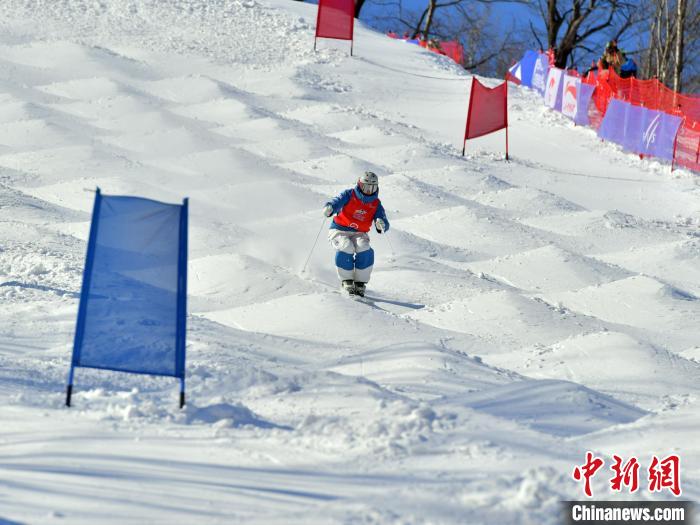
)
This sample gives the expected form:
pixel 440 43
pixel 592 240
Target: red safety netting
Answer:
pixel 650 94
pixel 335 19
pixel 654 95
pixel 454 50
pixel 687 150
pixel 488 111
pixel 589 78
pixel 449 48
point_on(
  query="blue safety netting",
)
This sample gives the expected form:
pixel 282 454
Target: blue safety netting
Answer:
pixel 132 305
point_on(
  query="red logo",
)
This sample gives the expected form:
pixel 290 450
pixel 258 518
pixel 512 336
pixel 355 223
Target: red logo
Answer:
pixel 587 471
pixel 569 99
pixel 627 474
pixel 663 474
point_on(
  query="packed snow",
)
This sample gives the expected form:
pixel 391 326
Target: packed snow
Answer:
pixel 521 313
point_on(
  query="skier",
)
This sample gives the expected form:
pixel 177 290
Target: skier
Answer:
pixel 355 209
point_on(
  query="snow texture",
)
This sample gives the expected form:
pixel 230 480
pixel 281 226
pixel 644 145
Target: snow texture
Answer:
pixel 520 313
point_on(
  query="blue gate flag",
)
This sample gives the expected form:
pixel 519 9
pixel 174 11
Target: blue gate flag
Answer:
pixel 132 310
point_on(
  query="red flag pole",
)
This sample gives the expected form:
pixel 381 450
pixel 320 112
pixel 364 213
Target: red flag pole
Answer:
pixel 352 35
pixel 318 18
pixel 469 114
pixel 505 104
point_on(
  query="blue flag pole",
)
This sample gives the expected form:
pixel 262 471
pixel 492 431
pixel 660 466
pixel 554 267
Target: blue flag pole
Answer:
pixel 182 300
pixel 84 292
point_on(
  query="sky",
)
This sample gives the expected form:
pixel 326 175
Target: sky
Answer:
pixel 505 15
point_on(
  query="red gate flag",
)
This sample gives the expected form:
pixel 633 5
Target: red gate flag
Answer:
pixel 335 19
pixel 488 111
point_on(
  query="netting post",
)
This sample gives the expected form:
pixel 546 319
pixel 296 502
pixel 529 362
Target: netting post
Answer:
pixel 315 39
pixel 182 392
pixel 352 44
pixel 469 114
pixel 675 146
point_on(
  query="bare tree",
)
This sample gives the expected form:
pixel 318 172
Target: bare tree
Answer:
pixel 571 24
pixel 661 36
pixel 680 46
pixel 672 53
pixel 488 49
pixel 432 5
pixel 423 25
pixel 690 79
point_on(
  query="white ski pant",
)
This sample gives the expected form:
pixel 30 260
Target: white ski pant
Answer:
pixel 354 258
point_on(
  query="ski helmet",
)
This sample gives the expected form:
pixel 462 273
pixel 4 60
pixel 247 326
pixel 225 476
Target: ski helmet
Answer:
pixel 368 183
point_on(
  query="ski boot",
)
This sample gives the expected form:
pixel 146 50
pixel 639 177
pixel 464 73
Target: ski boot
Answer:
pixel 360 288
pixel 349 286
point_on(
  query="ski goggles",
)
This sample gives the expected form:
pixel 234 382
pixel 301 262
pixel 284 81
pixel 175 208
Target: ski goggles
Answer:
pixel 368 189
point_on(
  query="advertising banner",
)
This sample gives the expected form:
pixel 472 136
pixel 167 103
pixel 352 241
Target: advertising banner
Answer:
pixel 641 130
pixel 552 95
pixel 583 101
pixel 527 67
pixel 569 101
pixel 659 133
pixel 540 73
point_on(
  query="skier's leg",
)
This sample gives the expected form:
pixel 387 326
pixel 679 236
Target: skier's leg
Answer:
pixel 364 258
pixel 344 255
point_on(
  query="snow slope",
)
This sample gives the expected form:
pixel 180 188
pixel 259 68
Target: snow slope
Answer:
pixel 524 313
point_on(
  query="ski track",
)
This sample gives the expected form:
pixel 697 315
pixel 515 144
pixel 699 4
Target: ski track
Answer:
pixel 519 314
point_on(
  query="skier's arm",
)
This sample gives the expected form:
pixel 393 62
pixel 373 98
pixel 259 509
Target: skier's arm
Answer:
pixel 339 201
pixel 381 214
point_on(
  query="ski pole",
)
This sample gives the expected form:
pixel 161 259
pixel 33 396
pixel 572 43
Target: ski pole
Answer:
pixel 393 253
pixel 314 246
